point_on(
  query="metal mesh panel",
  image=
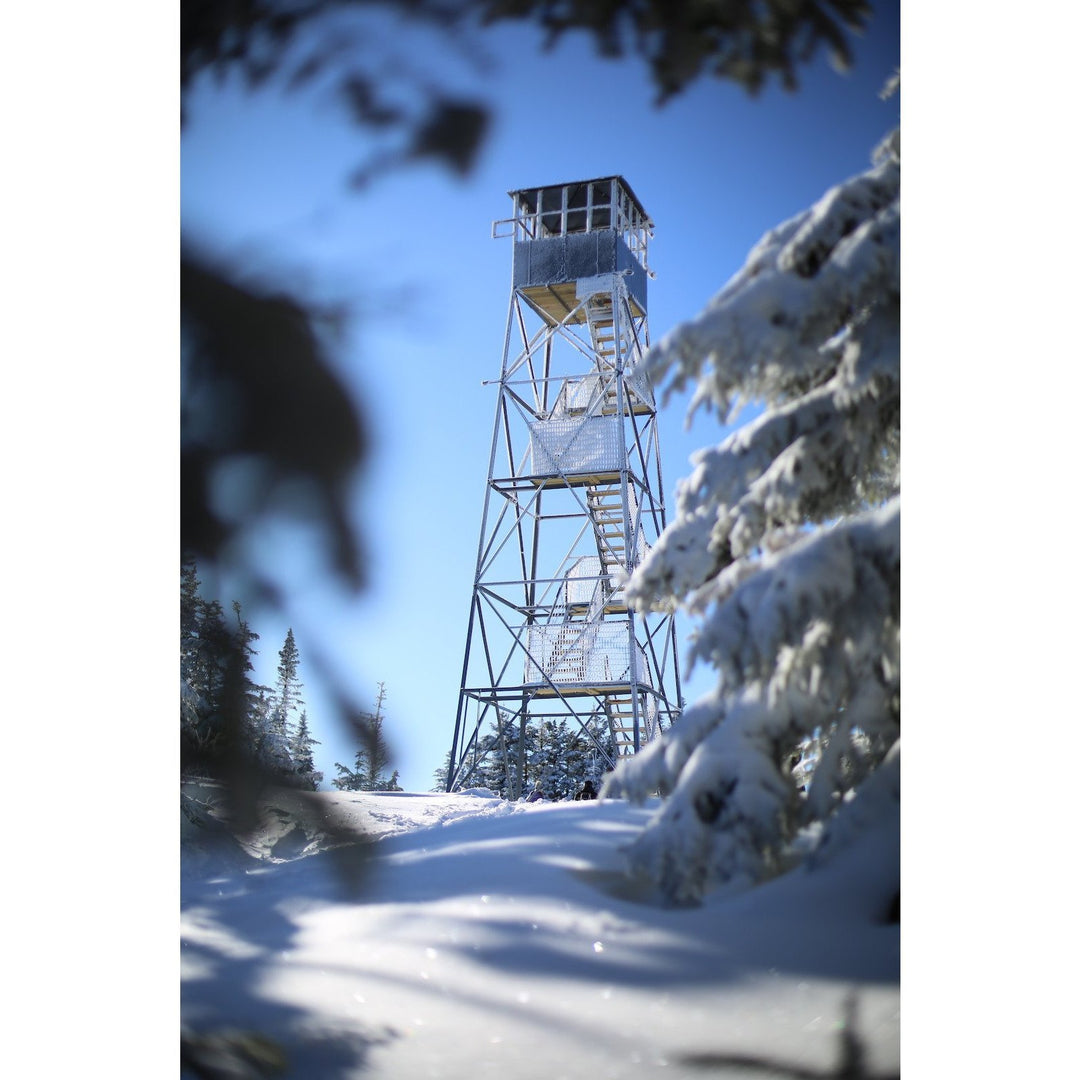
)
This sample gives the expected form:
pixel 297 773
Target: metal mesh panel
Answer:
pixel 582 653
pixel 579 394
pixel 641 545
pixel 581 587
pixel 651 718
pixel 582 394
pixel 591 444
pixel 581 583
pixel 641 385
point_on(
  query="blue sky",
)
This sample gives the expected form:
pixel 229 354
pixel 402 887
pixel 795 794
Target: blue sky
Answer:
pixel 264 178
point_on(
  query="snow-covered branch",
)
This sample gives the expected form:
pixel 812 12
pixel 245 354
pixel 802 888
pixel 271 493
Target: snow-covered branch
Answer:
pixel 786 542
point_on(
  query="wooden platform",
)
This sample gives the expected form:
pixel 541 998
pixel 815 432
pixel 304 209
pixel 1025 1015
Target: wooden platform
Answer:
pixel 612 607
pixel 612 689
pixel 575 480
pixel 497 695
pixel 636 406
pixel 558 300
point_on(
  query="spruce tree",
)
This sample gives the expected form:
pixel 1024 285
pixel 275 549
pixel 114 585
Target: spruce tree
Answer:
pixel 212 653
pixel 500 755
pixel 348 779
pixel 568 754
pixel 189 619
pixel 378 753
pixel 288 687
pixel 372 758
pixel 193 703
pixel 565 760
pixel 440 775
pixel 248 702
pixel 546 764
pixel 303 759
pixel 600 754
pixel 205 647
pixel 561 754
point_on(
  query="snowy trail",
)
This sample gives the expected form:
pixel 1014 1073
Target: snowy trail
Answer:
pixel 495 939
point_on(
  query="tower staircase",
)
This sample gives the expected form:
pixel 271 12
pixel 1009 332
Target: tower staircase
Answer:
pixel 569 662
pixel 620 714
pixel 610 514
pixel 608 344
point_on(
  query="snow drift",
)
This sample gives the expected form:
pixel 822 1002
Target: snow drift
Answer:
pixel 484 938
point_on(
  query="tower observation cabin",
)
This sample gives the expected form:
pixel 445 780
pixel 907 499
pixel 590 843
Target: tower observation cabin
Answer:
pixel 573 500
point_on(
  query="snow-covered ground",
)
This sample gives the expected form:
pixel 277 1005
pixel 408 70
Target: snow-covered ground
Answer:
pixel 493 939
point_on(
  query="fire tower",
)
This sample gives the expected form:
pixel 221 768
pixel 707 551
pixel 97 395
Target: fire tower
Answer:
pixel 574 495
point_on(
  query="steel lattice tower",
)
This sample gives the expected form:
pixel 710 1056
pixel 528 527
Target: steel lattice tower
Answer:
pixel 574 495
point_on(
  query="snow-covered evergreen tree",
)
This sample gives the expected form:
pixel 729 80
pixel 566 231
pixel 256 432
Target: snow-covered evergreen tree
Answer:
pixel 197 732
pixel 440 775
pixel 786 546
pixel 566 756
pixel 559 753
pixel 505 755
pixel 372 758
pixel 377 750
pixel 288 689
pixel 190 603
pixel 206 647
pixel 482 766
pixel 600 754
pixel 302 755
pixel 264 741
pixel 552 761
